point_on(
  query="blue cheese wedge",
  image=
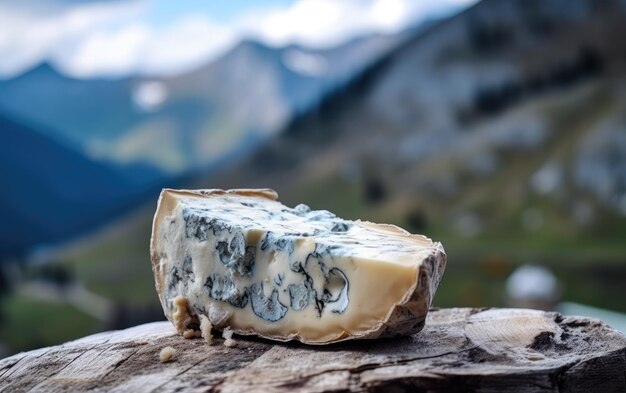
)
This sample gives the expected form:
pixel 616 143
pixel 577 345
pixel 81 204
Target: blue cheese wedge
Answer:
pixel 240 260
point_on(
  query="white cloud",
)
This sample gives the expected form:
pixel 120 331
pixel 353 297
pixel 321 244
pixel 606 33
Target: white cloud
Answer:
pixel 140 48
pixel 186 44
pixel 114 38
pixel 322 23
pixel 29 36
pixel 107 52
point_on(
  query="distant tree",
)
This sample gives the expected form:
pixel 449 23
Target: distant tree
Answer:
pixel 57 273
pixel 541 26
pixel 495 99
pixel 536 84
pixel 5 283
pixel 5 289
pixel 487 36
pixel 374 189
pixel 416 220
pixel 564 74
pixel 126 315
pixel 590 60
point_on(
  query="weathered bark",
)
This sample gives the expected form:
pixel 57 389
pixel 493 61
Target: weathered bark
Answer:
pixel 458 350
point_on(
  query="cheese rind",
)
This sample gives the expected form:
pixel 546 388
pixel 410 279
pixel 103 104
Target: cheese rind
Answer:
pixel 247 262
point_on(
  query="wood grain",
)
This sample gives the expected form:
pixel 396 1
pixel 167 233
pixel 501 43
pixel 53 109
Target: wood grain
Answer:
pixel 460 349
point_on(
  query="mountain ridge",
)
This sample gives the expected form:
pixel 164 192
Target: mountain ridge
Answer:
pixel 206 111
pixel 417 134
pixel 40 206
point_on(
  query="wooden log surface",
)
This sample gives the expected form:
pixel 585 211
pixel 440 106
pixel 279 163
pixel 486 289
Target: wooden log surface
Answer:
pixel 460 349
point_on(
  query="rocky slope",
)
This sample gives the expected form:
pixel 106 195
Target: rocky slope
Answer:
pixel 507 118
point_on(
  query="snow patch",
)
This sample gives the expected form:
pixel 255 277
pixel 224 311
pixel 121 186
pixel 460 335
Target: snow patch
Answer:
pixel 307 64
pixel 149 96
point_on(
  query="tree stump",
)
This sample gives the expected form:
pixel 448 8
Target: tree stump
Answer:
pixel 461 349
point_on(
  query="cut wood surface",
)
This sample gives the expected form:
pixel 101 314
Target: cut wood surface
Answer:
pixel 460 349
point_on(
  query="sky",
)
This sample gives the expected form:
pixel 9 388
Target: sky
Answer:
pixel 91 38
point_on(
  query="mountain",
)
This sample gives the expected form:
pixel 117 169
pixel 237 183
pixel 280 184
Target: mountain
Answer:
pixel 51 192
pixel 187 122
pixel 69 109
pixel 499 132
pixel 505 121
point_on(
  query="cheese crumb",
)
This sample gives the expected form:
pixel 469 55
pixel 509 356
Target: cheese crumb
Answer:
pixel 167 354
pixel 227 334
pixel 181 315
pixel 205 329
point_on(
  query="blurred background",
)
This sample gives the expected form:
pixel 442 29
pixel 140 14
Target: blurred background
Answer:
pixel 497 127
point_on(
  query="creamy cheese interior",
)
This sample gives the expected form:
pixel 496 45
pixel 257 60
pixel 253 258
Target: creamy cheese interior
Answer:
pixel 258 266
